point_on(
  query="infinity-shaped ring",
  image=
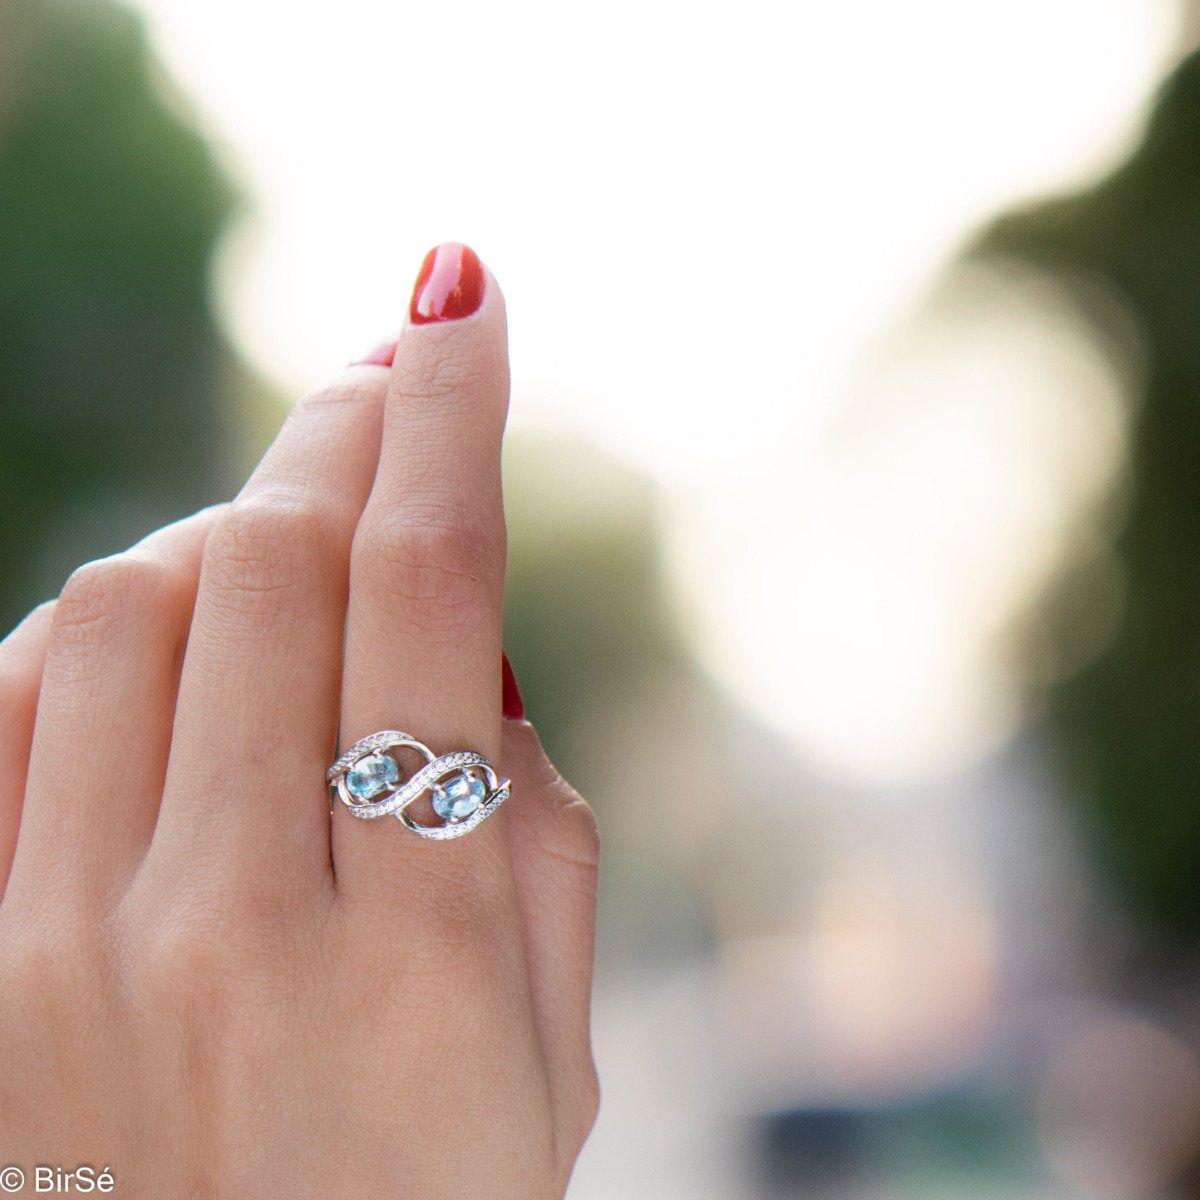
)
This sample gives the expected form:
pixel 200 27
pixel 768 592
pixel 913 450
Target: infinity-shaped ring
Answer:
pixel 464 788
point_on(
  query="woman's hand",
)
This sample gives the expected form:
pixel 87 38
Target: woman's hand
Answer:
pixel 210 985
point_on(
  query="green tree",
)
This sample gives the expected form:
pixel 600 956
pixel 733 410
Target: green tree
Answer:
pixel 1128 726
pixel 114 377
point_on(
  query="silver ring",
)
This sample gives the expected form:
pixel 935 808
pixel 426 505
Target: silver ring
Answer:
pixel 463 786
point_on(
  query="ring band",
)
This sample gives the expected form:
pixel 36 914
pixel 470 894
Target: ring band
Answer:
pixel 463 785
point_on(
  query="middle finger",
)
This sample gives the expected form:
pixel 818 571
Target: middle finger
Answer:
pixel 257 712
pixel 427 578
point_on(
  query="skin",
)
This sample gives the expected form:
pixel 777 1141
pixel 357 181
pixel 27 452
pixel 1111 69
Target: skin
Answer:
pixel 209 983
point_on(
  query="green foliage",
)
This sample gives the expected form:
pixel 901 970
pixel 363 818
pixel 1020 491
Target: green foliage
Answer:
pixel 1128 727
pixel 586 622
pixel 111 365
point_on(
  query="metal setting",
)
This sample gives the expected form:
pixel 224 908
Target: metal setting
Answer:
pixel 440 773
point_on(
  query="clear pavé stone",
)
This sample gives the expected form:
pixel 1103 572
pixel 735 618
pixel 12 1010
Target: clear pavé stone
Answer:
pixel 460 797
pixel 372 775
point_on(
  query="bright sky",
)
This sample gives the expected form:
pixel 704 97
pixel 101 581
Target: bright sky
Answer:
pixel 706 219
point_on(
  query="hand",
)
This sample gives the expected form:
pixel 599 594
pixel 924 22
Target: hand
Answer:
pixel 208 983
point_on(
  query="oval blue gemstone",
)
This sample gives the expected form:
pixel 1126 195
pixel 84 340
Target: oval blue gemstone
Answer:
pixel 372 775
pixel 459 798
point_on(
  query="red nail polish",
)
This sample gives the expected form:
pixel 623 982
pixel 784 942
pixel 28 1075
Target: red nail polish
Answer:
pixel 381 356
pixel 512 706
pixel 449 285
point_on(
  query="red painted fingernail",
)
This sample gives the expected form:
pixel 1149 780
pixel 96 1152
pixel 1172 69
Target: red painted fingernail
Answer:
pixel 449 285
pixel 381 356
pixel 513 707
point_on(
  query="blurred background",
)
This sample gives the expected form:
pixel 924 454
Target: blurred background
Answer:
pixel 854 491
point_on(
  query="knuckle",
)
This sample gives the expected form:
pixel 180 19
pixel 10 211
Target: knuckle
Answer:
pixel 30 966
pixel 437 568
pixel 587 1107
pixel 43 963
pixel 264 549
pixel 575 1114
pixel 187 961
pixel 569 839
pixel 437 377
pixel 579 835
pixel 101 596
pixel 174 973
pixel 218 945
pixel 341 391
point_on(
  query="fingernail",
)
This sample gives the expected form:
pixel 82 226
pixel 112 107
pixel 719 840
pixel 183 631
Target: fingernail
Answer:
pixel 381 356
pixel 449 285
pixel 512 706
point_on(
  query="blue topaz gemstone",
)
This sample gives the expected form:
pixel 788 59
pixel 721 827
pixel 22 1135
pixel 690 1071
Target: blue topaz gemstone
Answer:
pixel 460 797
pixel 372 775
